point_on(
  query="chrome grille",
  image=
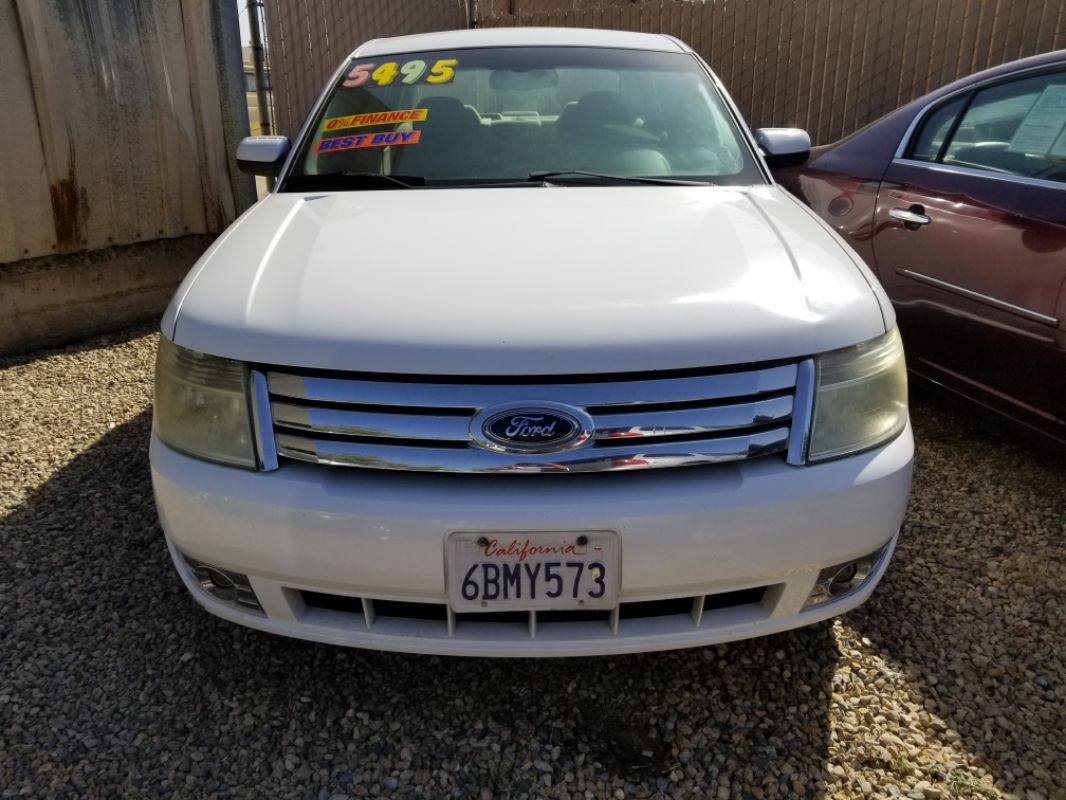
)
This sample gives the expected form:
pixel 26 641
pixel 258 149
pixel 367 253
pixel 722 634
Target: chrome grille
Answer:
pixel 639 421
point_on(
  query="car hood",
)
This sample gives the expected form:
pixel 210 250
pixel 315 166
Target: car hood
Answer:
pixel 541 280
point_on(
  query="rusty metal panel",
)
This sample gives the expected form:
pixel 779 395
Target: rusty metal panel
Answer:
pixel 24 201
pixel 112 125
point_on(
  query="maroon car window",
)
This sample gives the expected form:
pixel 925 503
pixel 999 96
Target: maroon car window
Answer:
pixel 1015 128
pixel 934 131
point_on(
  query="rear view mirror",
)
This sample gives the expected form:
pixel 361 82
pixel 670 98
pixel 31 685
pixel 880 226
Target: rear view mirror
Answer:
pixel 262 155
pixel 783 147
pixel 523 80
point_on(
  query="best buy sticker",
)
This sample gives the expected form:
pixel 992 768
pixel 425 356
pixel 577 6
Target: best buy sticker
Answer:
pixel 367 140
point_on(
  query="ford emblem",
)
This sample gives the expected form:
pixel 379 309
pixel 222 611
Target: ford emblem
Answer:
pixel 531 428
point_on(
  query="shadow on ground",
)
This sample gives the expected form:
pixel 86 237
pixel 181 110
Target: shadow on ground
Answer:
pixel 116 683
pixel 972 606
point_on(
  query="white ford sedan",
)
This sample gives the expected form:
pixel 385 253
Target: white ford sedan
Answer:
pixel 527 355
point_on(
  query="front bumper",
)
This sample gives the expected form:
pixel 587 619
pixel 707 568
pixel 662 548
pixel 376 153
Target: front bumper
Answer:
pixel 686 533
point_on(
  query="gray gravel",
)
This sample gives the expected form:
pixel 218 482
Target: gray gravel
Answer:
pixel 950 682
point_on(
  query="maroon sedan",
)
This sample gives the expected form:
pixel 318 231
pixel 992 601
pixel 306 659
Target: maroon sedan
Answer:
pixel 958 202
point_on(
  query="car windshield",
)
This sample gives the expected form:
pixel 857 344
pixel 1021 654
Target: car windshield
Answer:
pixel 522 115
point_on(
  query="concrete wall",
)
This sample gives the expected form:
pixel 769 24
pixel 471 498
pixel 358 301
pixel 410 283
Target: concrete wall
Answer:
pixel 118 120
pixel 56 299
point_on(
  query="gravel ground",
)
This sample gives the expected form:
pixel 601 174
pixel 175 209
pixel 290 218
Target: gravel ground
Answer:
pixel 950 682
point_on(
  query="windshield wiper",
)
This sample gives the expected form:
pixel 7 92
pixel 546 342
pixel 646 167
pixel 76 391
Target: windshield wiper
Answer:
pixel 565 174
pixel 349 179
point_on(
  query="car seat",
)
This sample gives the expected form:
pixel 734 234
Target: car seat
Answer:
pixel 450 142
pixel 602 133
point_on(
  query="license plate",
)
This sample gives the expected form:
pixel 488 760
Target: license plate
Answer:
pixel 525 571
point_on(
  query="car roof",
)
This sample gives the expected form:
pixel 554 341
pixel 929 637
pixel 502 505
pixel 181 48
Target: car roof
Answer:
pixel 881 139
pixel 1050 59
pixel 520 37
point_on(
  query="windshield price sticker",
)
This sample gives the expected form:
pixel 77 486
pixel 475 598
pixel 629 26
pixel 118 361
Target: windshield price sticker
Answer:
pixel 550 570
pixel 413 71
pixel 376 118
pixel 357 141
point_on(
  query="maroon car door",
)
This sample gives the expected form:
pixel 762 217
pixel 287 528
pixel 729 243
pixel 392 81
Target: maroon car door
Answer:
pixel 970 242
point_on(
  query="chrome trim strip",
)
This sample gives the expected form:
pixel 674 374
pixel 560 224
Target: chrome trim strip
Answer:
pixel 262 424
pixel 973 87
pixel 475 460
pixel 1036 316
pixel 944 308
pixel 909 217
pixel 692 420
pixel 802 413
pixel 472 396
pixel 612 427
pixel 348 422
pixel 939 166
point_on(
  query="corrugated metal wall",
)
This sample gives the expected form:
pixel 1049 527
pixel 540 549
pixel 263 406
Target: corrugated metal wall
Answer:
pixel 113 124
pixel 829 66
pixel 307 40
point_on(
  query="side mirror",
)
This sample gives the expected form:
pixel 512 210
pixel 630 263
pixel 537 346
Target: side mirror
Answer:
pixel 783 147
pixel 262 155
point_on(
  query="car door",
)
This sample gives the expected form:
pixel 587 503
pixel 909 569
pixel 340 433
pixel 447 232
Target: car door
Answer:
pixel 970 243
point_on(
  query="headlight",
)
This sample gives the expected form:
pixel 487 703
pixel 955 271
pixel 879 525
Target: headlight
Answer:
pixel 201 405
pixel 860 397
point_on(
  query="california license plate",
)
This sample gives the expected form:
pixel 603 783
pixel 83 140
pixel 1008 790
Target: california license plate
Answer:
pixel 525 571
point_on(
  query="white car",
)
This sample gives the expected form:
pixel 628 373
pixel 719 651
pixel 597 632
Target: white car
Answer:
pixel 527 355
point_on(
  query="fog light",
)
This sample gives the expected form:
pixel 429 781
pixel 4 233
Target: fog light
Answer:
pixel 225 585
pixel 840 580
pixel 846 574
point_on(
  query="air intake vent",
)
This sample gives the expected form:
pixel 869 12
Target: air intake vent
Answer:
pixel 689 610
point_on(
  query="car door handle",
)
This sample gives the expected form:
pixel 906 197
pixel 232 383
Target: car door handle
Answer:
pixel 911 216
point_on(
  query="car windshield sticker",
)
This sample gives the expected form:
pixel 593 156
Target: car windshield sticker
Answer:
pixel 1044 127
pixel 375 118
pixel 367 140
pixel 385 74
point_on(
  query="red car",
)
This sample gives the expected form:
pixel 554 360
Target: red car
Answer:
pixel 958 202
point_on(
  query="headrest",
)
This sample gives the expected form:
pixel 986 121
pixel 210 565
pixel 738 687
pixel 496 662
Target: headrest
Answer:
pixel 595 109
pixel 439 104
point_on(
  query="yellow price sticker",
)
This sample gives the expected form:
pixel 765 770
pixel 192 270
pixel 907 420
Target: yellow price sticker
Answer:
pixel 442 71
